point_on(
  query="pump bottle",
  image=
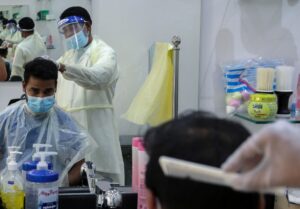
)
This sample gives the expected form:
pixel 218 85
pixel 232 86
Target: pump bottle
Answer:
pixel 12 191
pixel 31 165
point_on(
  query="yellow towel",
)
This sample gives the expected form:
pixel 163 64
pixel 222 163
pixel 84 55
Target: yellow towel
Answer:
pixel 153 104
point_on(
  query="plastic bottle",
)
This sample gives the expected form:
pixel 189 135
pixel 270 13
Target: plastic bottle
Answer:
pixel 134 148
pixel 12 191
pixel 142 161
pixel 10 149
pixel 42 185
pixel 31 165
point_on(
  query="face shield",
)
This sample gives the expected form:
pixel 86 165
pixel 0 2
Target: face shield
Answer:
pixel 11 27
pixel 74 32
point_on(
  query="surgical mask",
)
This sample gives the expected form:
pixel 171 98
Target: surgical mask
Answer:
pixel 40 104
pixel 77 41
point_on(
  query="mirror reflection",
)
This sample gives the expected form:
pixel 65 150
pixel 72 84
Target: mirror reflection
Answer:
pixel 10 37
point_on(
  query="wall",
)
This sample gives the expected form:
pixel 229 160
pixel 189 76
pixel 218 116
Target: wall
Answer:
pixel 131 27
pixel 240 29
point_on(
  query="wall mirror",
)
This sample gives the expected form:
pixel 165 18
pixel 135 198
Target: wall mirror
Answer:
pixel 15 12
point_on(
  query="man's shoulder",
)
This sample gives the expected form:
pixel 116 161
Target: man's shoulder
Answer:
pixel 11 110
pixel 99 43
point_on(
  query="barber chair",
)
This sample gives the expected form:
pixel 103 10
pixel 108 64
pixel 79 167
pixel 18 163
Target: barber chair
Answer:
pixel 23 97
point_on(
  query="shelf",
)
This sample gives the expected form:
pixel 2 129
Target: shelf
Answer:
pixel 246 117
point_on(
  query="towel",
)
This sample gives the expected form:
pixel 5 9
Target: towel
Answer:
pixel 153 103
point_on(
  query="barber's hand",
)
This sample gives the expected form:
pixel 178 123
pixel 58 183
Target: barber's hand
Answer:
pixel 60 66
pixel 4 44
pixel 270 158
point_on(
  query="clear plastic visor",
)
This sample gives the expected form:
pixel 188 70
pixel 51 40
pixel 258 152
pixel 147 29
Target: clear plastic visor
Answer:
pixel 11 26
pixel 70 29
pixel 74 35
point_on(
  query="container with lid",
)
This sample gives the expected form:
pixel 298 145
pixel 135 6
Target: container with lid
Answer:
pixel 262 106
pixel 42 185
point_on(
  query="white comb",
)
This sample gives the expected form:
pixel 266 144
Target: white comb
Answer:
pixel 184 169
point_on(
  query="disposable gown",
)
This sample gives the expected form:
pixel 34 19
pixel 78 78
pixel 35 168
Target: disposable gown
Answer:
pixel 13 39
pixel 86 90
pixel 20 127
pixel 4 33
pixel 30 48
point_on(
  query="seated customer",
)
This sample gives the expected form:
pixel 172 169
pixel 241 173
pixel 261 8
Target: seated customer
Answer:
pixel 38 120
pixel 202 138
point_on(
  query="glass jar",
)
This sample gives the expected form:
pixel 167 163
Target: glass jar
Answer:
pixel 262 106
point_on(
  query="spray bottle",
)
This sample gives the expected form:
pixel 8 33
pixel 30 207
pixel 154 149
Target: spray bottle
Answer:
pixel 12 191
pixel 31 165
pixel 42 185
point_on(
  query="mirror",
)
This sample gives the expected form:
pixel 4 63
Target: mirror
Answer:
pixel 14 11
pixel 8 12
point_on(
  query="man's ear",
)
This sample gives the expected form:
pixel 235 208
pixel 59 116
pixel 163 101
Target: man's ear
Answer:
pixel 151 200
pixel 24 87
pixel 88 26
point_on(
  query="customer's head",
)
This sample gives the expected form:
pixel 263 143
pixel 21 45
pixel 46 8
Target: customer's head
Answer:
pixel 197 137
pixel 39 85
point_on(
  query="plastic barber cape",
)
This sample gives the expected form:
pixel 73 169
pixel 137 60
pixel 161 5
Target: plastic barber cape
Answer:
pixel 86 90
pixel 20 127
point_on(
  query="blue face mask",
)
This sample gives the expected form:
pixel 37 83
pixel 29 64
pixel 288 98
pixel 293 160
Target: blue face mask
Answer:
pixel 77 41
pixel 40 104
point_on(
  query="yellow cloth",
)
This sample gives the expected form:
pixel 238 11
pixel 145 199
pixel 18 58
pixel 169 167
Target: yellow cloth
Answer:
pixel 153 104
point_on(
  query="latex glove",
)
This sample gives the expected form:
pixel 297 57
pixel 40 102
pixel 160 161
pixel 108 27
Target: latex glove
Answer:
pixel 270 158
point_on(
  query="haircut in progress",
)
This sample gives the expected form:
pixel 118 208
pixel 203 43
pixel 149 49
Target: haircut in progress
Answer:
pixel 40 68
pixel 198 137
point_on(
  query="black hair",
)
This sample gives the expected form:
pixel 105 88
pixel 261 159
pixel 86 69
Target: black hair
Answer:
pixel 40 68
pixel 4 21
pixel 76 11
pixel 26 23
pixel 202 138
pixel 12 21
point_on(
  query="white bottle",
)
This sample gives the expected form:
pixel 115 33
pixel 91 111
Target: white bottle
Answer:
pixel 12 191
pixel 42 185
pixel 9 149
pixel 31 165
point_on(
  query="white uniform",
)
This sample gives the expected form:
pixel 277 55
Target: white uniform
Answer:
pixel 4 33
pixel 14 39
pixel 86 90
pixel 30 48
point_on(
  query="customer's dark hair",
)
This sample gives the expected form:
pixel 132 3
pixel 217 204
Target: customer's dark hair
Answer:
pixel 198 137
pixel 40 68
